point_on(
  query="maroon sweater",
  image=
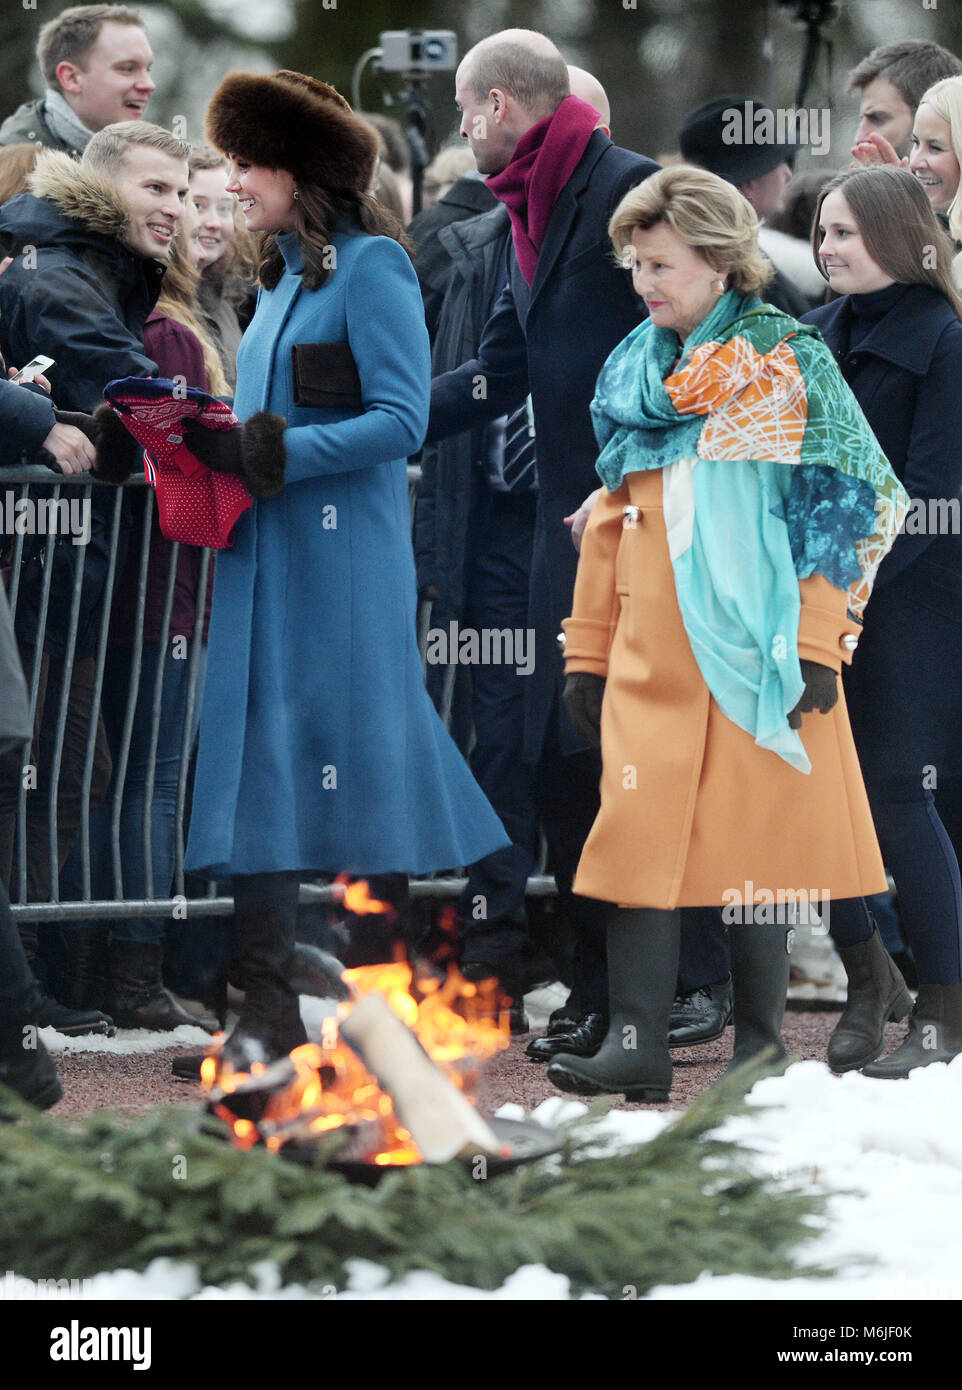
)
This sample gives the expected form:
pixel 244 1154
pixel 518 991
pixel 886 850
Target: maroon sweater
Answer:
pixel 177 352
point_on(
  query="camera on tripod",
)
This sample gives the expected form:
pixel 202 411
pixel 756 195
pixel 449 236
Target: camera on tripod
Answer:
pixel 418 50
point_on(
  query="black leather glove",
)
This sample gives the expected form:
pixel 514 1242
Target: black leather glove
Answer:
pixel 583 694
pixel 253 450
pixel 820 693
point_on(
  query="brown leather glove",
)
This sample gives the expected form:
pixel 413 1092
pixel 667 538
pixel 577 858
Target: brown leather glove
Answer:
pixel 118 452
pixel 583 694
pixel 253 450
pixel 820 693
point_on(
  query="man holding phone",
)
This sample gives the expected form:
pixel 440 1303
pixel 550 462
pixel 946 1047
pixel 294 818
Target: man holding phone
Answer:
pixel 89 242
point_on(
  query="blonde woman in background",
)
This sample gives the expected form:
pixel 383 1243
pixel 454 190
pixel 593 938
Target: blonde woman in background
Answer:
pixel 222 251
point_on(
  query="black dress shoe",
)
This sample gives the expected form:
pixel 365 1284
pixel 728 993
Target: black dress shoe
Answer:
pixel 701 1016
pixel 583 1040
pixel 30 1072
pixel 566 1017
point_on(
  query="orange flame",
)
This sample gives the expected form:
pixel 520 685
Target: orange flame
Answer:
pixel 454 1020
pixel 356 897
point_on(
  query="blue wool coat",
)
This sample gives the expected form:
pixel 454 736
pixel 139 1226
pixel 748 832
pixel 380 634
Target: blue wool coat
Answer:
pixel 319 747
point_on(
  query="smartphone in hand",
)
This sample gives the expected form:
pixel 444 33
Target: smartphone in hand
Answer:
pixel 34 368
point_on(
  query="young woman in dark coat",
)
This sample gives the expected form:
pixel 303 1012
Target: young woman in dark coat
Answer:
pixel 897 336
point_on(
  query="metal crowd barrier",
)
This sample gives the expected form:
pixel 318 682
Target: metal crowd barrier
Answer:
pixel 23 481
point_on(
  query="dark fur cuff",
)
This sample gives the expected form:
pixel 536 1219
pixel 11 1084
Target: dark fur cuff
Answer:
pixel 118 452
pixel 263 457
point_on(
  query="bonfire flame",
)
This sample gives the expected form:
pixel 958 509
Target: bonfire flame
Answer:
pixel 324 1087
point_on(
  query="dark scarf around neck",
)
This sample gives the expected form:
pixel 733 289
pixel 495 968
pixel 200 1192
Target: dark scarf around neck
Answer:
pixel 543 161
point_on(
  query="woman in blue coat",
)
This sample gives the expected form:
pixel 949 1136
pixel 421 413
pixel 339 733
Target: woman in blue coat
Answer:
pixel 319 747
pixel 897 336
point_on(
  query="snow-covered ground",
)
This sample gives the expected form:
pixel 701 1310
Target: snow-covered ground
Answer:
pixel 890 1151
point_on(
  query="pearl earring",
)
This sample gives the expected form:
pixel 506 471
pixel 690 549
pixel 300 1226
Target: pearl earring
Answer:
pixel 719 284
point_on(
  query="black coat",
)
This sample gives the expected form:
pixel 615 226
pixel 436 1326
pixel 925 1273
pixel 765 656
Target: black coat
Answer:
pixel 904 687
pixel 474 250
pixel 551 339
pixel 26 418
pixel 80 296
pixel 466 197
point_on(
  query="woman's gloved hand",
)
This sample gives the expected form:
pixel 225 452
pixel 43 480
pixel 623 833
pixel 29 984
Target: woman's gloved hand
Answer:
pixel 583 694
pixel 254 450
pixel 820 693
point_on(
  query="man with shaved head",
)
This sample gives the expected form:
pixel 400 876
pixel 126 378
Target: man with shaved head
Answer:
pixel 589 89
pixel 564 306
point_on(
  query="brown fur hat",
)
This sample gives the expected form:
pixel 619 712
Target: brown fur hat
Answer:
pixel 293 122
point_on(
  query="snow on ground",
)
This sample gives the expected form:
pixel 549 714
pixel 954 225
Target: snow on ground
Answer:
pixel 538 1005
pixel 890 1151
pixel 125 1040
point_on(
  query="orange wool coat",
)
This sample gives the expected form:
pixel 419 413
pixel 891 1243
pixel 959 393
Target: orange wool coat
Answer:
pixel 691 808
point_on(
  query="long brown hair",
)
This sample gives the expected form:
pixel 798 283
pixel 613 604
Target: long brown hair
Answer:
pixel 316 213
pixel 897 225
pixel 178 300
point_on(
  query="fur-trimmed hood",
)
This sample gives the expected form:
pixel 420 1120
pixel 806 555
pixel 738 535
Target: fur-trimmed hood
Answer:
pixel 293 122
pixel 62 194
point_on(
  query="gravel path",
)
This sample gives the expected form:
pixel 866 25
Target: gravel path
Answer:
pixel 95 1080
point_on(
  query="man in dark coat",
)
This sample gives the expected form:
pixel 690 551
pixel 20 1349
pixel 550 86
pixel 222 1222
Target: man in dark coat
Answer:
pixel 760 170
pixel 468 196
pixel 96 63
pixel 91 240
pixel 559 316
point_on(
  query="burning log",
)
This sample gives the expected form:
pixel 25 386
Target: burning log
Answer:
pixel 442 1123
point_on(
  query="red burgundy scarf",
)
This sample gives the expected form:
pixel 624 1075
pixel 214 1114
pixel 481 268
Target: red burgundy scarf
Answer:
pixel 543 161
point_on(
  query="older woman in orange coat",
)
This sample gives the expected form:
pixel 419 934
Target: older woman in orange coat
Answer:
pixel 746 509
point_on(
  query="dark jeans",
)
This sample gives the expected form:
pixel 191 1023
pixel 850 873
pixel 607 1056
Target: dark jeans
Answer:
pixel 492 909
pixel 705 958
pixel 569 796
pixel 70 782
pixel 163 805
pixel 923 863
pixel 15 979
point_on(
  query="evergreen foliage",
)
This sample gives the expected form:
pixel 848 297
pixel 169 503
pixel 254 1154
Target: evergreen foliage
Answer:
pixel 109 1191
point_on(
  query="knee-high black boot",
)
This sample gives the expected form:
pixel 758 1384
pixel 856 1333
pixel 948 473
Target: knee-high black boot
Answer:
pixel 761 961
pixel 265 917
pixel 643 945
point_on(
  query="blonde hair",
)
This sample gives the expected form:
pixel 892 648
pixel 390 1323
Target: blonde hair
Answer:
pixel 106 150
pixel 704 212
pixel 178 300
pixel 945 99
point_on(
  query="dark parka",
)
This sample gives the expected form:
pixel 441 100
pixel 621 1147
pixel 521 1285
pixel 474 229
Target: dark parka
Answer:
pixel 466 197
pixel 77 294
pixel 26 418
pixel 904 690
pixel 551 339
pixel 474 249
